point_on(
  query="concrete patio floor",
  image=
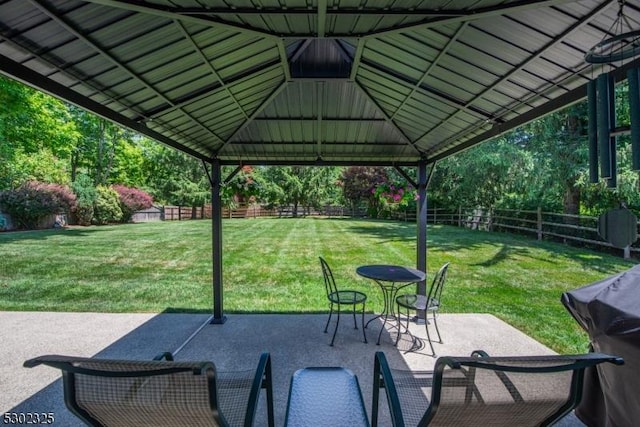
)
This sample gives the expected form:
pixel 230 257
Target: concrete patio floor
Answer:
pixel 294 341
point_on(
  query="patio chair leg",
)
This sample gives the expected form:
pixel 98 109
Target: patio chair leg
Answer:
pixel 399 321
pixel 355 322
pixel 426 326
pixel 437 330
pixel 364 333
pixel 326 327
pixel 336 329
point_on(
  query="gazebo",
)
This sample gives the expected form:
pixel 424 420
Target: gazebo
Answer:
pixel 314 82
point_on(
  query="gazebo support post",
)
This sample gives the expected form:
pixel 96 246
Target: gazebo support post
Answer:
pixel 421 257
pixel 215 179
pixel 421 217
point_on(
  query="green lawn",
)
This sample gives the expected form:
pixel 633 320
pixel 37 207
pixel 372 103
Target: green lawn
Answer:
pixel 271 265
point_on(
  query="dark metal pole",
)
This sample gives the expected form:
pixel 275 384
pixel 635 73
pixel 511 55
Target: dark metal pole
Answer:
pixel 216 242
pixel 634 112
pixel 612 182
pixel 421 218
pixel 421 261
pixel 592 103
pixel 604 126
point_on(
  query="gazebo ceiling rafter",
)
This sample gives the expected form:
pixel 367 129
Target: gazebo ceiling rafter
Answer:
pixel 387 117
pixel 431 66
pixel 105 54
pixel 481 13
pixel 205 61
pixel 259 110
pixel 520 67
pixel 170 13
pixel 297 11
pixel 322 17
pixel 420 86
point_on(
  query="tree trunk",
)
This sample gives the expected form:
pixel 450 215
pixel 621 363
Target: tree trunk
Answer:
pixel 571 202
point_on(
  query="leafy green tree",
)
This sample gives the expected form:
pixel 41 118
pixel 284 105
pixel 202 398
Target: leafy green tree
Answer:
pixel 359 185
pixel 106 209
pixel 173 177
pixel 559 142
pixel 107 152
pixel 286 187
pixel 323 186
pixel 303 187
pixel 482 176
pixel 42 166
pixel 32 125
pixel 86 195
pixel 243 188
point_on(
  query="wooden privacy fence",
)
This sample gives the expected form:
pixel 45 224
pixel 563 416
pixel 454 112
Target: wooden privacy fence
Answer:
pixel 183 213
pixel 554 226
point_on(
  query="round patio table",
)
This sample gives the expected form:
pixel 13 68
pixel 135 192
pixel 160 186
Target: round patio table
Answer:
pixel 390 278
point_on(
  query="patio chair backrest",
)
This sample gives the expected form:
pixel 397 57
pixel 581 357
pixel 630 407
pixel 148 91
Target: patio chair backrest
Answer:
pixel 492 391
pixel 107 392
pixel 329 282
pixel 435 292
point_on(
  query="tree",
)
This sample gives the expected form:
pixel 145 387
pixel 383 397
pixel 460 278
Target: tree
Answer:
pixel 323 186
pixel 484 176
pixel 244 187
pixel 86 195
pixel 106 209
pixel 299 186
pixel 559 142
pixel 173 177
pixel 286 187
pixel 34 129
pixel 359 185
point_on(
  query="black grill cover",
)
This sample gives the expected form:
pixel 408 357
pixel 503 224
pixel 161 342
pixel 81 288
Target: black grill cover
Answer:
pixel 609 310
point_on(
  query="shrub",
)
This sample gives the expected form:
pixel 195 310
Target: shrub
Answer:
pixel 33 201
pixel 132 200
pixel 86 195
pixel 106 208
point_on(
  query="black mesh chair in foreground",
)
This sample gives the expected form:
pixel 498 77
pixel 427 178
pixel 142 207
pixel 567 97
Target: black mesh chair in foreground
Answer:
pixel 104 392
pixel 339 298
pixel 484 391
pixel 428 304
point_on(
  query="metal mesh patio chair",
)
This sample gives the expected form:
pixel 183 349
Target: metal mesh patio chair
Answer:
pixel 339 298
pixel 484 391
pixel 105 392
pixel 429 304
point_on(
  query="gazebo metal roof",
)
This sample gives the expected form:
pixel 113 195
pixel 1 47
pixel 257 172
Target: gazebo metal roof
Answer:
pixel 311 81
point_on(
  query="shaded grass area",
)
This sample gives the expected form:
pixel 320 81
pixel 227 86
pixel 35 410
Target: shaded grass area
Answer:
pixel 271 265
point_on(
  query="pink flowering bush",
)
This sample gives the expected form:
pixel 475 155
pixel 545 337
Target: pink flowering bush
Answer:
pixel 132 200
pixel 391 193
pixel 34 201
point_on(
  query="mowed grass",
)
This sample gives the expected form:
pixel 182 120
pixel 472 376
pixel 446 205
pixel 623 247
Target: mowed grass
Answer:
pixel 271 265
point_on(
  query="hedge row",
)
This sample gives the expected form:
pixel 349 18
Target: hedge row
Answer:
pixel 33 201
